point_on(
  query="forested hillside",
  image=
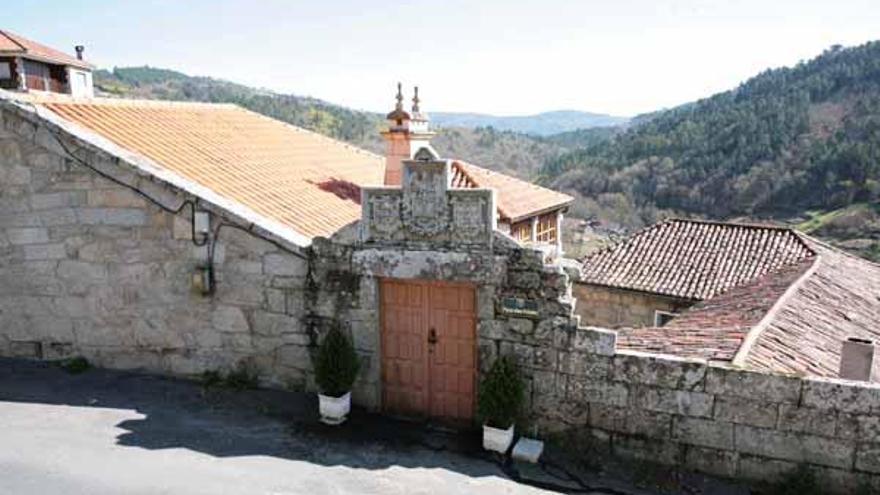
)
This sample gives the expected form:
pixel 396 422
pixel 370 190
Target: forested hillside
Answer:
pixel 789 142
pixel 799 145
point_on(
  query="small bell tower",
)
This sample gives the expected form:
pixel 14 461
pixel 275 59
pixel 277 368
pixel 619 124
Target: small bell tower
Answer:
pixel 406 134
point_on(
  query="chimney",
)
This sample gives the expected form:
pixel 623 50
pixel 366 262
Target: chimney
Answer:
pixel 857 359
pixel 79 51
pixel 406 135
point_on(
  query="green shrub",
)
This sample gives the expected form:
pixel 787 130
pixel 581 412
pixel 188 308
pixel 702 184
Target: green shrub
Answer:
pixel 799 481
pixel 501 394
pixel 242 378
pixel 76 365
pixel 212 378
pixel 336 364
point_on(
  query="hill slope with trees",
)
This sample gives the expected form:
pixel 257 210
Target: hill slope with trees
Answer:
pixel 784 141
pixel 800 144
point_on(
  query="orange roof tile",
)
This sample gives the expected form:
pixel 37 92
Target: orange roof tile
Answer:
pixel 694 259
pixel 516 199
pixel 795 317
pixel 839 300
pixel 301 179
pixel 715 328
pixel 11 43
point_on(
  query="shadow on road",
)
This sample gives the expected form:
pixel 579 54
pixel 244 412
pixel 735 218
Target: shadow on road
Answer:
pixel 225 423
pixel 184 414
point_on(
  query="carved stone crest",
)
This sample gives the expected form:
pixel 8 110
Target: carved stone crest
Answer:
pixel 424 198
pixel 469 218
pixel 384 219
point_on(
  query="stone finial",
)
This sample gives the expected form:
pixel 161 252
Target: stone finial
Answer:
pixel 417 114
pixel 415 100
pixel 399 115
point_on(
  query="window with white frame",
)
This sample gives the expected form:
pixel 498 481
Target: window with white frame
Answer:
pixel 5 70
pixel 663 317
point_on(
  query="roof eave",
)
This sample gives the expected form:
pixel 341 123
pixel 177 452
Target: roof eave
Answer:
pixel 533 213
pixel 666 295
pixel 48 60
pixel 147 166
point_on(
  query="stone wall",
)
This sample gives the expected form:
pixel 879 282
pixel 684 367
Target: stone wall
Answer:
pixel 345 281
pixel 709 418
pixel 90 268
pixel 615 308
pixel 87 267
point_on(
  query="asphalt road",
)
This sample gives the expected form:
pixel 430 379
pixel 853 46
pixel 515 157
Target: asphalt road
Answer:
pixel 110 433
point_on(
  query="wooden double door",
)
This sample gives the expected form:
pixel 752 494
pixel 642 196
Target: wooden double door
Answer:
pixel 429 357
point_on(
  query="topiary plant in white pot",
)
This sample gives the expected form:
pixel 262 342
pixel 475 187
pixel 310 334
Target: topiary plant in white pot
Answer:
pixel 336 368
pixel 499 403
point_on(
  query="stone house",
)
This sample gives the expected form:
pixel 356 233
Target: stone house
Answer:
pixel 180 238
pixel 188 237
pixel 26 65
pixel 758 296
pixel 653 275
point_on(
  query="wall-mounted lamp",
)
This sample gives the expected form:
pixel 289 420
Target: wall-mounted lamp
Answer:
pixel 201 226
pixel 201 280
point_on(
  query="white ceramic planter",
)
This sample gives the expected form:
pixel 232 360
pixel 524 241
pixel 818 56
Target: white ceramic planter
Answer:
pixel 334 410
pixel 496 439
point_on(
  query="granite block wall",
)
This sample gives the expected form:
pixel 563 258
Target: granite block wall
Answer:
pixel 90 268
pixel 614 308
pixel 87 267
pixel 712 418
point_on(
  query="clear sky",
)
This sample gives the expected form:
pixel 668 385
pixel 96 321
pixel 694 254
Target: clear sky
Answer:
pixel 496 56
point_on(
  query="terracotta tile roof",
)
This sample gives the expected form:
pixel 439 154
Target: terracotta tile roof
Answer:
pixel 305 181
pixel 299 178
pixel 840 299
pixel 796 318
pixel 516 199
pixel 692 259
pixel 13 44
pixel 714 329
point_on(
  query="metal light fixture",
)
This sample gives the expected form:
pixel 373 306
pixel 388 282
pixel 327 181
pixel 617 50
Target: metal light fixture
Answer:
pixel 201 226
pixel 201 280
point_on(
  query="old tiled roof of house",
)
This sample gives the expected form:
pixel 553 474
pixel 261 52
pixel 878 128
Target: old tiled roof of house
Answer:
pixel 516 198
pixel 792 319
pixel 715 328
pixel 839 300
pixel 13 44
pixel 692 259
pixel 304 181
pixel 280 171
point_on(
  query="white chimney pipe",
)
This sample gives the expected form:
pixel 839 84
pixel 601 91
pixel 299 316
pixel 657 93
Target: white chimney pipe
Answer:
pixel 857 359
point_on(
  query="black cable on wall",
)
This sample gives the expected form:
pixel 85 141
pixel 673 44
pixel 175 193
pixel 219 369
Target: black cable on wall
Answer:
pixel 193 204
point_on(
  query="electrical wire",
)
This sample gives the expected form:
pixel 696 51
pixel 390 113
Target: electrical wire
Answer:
pixel 193 204
pixel 505 464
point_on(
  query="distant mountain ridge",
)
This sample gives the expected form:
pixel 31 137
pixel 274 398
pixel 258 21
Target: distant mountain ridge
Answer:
pixel 541 124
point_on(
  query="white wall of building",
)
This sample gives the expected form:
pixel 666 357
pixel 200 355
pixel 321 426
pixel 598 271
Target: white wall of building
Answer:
pixel 81 84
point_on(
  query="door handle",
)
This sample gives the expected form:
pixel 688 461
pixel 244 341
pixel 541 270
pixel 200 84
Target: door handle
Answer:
pixel 432 336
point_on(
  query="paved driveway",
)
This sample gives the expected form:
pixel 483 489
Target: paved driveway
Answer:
pixel 106 432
